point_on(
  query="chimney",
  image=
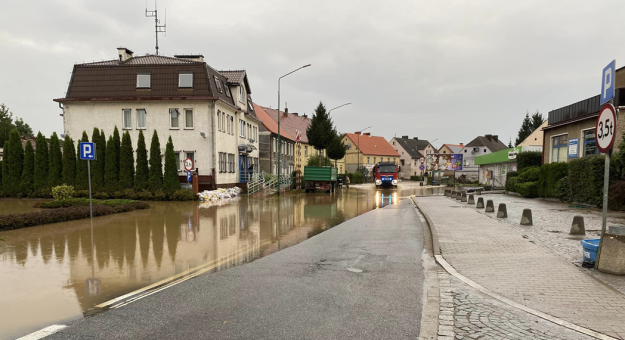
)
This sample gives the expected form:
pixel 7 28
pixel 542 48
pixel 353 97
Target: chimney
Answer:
pixel 404 137
pixel 295 113
pixel 416 138
pixel 367 133
pixel 124 53
pixel 304 115
pixel 489 137
pixel 286 111
pixel 496 138
pixel 357 132
pixel 461 144
pixel 191 57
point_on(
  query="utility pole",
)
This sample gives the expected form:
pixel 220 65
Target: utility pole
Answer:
pixel 157 28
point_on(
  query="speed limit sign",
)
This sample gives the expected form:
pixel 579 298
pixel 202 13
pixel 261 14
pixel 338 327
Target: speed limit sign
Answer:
pixel 605 129
pixel 421 160
pixel 188 164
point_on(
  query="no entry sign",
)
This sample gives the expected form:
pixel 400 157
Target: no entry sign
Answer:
pixel 606 126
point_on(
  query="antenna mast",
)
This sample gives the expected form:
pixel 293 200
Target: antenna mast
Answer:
pixel 157 28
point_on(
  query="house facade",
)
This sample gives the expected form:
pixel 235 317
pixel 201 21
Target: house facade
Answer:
pixel 364 150
pixel 410 151
pixel 479 146
pixel 268 141
pixel 180 96
pixel 451 148
pixel 494 167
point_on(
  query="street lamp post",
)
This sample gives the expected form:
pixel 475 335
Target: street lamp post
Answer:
pixel 279 145
pixel 337 107
pixel 358 155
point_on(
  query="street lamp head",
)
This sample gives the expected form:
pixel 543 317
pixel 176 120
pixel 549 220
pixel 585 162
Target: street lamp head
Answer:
pixel 306 65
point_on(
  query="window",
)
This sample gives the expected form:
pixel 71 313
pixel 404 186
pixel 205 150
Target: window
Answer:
pixel 218 120
pixel 256 133
pixel 559 148
pixel 231 125
pixel 374 160
pixel 231 162
pixel 389 159
pixel 465 151
pixel 218 83
pixel 589 142
pixel 241 128
pixel 275 147
pixel 143 80
pixel 249 131
pixel 227 90
pixel 188 118
pixel 173 119
pixel 191 155
pixel 222 162
pixel 241 94
pixel 127 118
pixel 484 150
pixel 368 160
pixel 178 161
pixel 305 150
pixel 141 118
pixel 185 80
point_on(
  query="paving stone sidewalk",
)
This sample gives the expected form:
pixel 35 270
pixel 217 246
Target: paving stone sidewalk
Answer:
pixel 466 313
pixel 492 254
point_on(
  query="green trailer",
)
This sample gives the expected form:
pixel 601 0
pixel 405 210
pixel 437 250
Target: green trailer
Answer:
pixel 320 178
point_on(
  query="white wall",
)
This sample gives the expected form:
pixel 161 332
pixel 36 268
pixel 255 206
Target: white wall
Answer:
pixel 84 116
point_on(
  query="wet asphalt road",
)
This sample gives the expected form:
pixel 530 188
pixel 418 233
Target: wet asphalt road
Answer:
pixel 313 290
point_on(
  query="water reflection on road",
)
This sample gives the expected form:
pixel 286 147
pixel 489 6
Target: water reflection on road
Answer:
pixel 56 273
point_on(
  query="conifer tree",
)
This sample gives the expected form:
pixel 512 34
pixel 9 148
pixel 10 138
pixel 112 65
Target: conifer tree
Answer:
pixel 336 150
pixel 142 171
pixel 42 163
pixel 171 183
pixel 110 170
pixel 126 163
pixel 155 180
pixel 81 166
pixel 14 157
pixel 2 170
pixel 97 166
pixel 69 162
pixel 28 172
pixel 5 175
pixel 321 131
pixel 117 143
pixel 55 171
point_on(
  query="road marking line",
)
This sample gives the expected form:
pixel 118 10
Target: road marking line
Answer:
pixel 42 333
pixel 163 284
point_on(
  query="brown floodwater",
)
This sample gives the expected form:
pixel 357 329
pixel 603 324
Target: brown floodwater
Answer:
pixel 12 206
pixel 57 273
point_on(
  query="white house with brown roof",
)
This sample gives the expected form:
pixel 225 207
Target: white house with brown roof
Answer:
pixel 480 145
pixel 410 151
pixel 208 114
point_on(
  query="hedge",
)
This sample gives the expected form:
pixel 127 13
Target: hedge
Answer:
pixel 586 179
pixel 356 178
pixel 528 159
pixel 531 174
pixel 416 178
pixel 616 199
pixel 550 176
pixel 527 189
pixel 81 202
pixel 510 184
pixel 16 221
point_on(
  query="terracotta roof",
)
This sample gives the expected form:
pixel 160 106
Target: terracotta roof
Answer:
pixel 493 143
pixel 269 123
pixel 291 122
pixel 455 148
pixel 412 146
pixel 372 145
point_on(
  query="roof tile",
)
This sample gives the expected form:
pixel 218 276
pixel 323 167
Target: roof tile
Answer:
pixel 372 145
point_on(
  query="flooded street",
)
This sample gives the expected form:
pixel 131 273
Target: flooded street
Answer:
pixel 56 273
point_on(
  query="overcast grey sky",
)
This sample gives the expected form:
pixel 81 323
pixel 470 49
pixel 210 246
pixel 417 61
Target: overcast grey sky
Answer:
pixel 450 70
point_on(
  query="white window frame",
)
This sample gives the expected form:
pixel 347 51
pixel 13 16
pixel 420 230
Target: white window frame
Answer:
pixel 232 125
pixel 241 93
pixel 218 84
pixel 180 77
pixel 177 160
pixel 241 128
pixel 186 121
pixel 171 119
pixel 124 127
pixel 141 75
pixel 144 112
pixel 218 120
pixel 551 148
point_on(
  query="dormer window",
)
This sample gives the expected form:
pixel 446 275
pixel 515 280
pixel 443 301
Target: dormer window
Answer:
pixel 185 80
pixel 143 80
pixel 218 83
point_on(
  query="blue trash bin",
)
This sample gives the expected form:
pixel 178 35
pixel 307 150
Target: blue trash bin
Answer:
pixel 590 248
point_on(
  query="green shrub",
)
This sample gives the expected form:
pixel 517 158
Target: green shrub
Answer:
pixel 531 174
pixel 81 202
pixel 185 195
pixel 510 184
pixel 16 221
pixel 586 179
pixel 317 160
pixel 159 195
pixel 511 174
pixel 144 195
pixel 356 178
pixel 81 193
pixel 527 189
pixel 101 195
pixel 616 196
pixel 563 189
pixel 528 159
pixel 416 178
pixel 62 192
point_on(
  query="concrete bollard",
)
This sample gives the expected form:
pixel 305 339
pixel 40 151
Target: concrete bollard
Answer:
pixel 502 211
pixel 578 227
pixel 480 203
pixel 453 194
pixel 479 191
pixel 463 198
pixel 447 193
pixel 471 199
pixel 526 218
pixel 459 196
pixel 490 206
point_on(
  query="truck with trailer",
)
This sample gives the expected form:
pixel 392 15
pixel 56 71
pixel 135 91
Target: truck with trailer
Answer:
pixel 320 178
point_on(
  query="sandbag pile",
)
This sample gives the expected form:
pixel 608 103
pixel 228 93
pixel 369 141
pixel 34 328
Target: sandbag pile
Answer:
pixel 219 194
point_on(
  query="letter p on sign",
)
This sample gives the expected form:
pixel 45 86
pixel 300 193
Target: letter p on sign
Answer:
pixel 607 82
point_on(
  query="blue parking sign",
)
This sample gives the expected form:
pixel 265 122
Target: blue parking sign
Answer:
pixel 87 151
pixel 189 176
pixel 608 82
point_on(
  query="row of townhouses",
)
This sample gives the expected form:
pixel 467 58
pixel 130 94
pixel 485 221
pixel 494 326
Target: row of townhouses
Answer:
pixel 209 114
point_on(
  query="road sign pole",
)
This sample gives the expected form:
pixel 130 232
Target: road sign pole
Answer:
pixel 89 175
pixel 606 187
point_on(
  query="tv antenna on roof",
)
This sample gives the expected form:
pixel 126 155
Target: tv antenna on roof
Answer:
pixel 157 28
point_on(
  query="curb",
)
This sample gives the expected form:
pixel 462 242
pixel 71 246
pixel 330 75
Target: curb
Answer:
pixel 452 271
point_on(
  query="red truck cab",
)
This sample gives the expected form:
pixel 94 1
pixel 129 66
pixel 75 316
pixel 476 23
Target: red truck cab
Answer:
pixel 386 174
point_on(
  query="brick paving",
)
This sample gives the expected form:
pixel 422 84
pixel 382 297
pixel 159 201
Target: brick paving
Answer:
pixel 492 254
pixel 468 314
